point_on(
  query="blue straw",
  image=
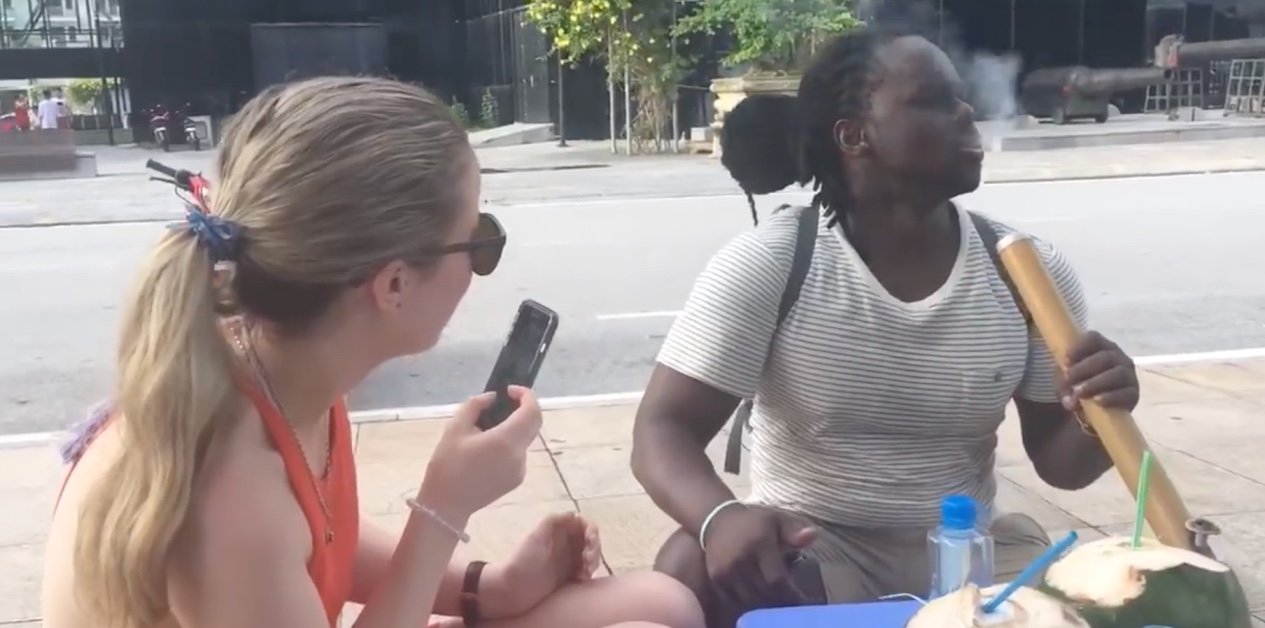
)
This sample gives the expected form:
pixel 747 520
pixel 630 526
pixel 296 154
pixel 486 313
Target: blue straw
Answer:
pixel 1042 562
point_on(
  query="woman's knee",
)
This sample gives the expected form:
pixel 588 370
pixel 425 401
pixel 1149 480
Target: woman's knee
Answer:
pixel 661 600
pixel 682 558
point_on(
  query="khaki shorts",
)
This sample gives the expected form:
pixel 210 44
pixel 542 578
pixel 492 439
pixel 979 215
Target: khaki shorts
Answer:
pixel 863 565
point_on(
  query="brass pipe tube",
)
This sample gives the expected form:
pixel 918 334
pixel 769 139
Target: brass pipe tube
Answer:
pixel 1117 429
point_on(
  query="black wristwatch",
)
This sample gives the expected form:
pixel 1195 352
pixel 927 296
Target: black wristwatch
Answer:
pixel 470 614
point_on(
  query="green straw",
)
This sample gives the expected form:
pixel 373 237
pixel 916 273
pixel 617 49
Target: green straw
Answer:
pixel 1144 482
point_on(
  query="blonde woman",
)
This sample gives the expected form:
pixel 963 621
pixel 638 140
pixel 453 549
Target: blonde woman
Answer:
pixel 219 489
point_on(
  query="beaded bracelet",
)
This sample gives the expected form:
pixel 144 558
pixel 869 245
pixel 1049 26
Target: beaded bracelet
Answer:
pixel 417 506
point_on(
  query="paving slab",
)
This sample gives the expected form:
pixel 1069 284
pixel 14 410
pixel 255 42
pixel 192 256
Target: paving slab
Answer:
pixel 1202 420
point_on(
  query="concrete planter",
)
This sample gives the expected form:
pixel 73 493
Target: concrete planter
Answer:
pixel 731 90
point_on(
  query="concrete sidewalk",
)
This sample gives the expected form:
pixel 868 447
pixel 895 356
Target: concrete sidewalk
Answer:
pixel 1203 420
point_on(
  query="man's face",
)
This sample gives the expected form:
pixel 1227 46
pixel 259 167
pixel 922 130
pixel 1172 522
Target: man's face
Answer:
pixel 920 126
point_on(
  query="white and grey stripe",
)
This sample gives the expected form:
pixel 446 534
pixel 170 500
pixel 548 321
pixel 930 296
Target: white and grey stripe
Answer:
pixel 869 410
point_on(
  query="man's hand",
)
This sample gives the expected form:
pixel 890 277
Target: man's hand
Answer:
pixel 1099 370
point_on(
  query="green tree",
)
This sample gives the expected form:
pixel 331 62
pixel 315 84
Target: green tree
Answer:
pixel 771 35
pixel 85 93
pixel 633 39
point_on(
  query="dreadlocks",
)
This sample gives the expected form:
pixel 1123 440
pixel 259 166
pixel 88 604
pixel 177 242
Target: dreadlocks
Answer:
pixel 770 141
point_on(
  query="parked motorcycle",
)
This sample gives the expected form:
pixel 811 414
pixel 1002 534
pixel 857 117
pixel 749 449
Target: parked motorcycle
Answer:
pixel 190 132
pixel 159 123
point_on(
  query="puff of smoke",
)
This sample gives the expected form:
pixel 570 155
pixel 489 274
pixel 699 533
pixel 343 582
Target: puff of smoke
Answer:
pixel 993 83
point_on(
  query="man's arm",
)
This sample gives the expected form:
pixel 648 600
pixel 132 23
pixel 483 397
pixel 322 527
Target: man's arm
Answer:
pixel 712 357
pixel 1064 453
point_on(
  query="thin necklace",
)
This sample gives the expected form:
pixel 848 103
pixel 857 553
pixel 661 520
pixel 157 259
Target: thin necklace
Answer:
pixel 248 350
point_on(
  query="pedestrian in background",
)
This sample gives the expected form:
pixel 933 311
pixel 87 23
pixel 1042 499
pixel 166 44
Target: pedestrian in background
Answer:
pixel 48 113
pixel 22 112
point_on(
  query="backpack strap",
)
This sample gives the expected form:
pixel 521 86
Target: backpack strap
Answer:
pixel 989 236
pixel 805 242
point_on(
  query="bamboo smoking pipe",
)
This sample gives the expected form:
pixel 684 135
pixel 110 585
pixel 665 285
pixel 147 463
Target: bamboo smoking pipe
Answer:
pixel 1117 429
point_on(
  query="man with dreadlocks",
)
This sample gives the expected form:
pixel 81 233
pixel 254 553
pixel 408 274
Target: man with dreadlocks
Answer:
pixel 880 389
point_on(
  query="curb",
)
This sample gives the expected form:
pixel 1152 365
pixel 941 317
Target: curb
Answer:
pixel 1143 175
pixel 547 404
pixel 364 417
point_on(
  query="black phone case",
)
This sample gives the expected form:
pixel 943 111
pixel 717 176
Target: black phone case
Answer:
pixel 503 406
pixel 805 574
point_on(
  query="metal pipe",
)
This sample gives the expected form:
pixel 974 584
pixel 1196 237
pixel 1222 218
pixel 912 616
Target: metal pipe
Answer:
pixel 105 83
pixel 1173 52
pixel 1110 80
pixel 562 109
pixel 1117 430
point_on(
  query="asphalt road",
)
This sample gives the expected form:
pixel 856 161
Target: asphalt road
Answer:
pixel 1170 265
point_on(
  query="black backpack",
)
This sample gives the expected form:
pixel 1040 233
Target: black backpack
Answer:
pixel 805 243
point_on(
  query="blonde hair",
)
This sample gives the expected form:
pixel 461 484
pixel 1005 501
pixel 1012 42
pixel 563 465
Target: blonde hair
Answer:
pixel 329 179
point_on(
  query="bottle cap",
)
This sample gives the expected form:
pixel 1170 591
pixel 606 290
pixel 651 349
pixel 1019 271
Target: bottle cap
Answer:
pixel 958 512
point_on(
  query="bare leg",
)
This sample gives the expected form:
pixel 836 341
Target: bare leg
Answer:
pixel 635 600
pixel 682 558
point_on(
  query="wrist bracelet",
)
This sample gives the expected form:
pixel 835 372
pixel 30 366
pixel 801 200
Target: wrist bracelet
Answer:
pixel 1085 426
pixel 707 521
pixel 417 506
pixel 470 612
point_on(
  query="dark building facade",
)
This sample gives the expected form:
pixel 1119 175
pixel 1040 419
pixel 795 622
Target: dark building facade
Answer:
pixel 201 52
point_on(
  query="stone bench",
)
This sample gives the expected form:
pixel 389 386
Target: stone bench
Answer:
pixel 43 155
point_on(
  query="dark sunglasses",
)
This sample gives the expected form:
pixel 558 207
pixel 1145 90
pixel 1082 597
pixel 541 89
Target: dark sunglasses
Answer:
pixel 485 246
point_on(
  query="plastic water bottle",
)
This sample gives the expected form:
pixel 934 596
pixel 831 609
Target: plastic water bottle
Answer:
pixel 961 550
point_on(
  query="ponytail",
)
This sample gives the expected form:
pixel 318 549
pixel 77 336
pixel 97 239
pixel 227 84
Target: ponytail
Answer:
pixel 175 389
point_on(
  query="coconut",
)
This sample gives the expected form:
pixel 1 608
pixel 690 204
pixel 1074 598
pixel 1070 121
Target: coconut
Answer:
pixel 1112 584
pixel 1026 608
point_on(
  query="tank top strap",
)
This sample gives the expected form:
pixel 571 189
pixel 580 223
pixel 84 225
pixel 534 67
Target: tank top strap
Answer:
pixel 335 535
pixel 302 481
pixel 341 483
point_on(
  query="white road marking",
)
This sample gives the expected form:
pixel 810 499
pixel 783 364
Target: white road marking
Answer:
pixel 1232 355
pixel 636 315
pixel 413 413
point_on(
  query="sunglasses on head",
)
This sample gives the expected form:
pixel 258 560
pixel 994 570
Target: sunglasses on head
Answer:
pixel 485 246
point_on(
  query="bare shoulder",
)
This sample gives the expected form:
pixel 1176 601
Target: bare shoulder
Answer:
pixel 243 493
pixel 244 532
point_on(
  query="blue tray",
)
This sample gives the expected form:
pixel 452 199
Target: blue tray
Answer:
pixel 873 615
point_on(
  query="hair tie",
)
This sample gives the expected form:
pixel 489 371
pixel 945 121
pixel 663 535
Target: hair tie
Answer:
pixel 219 236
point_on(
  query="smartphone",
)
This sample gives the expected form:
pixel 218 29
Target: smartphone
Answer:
pixel 521 356
pixel 805 575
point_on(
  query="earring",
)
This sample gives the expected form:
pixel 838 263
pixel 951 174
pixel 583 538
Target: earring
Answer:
pixel 841 140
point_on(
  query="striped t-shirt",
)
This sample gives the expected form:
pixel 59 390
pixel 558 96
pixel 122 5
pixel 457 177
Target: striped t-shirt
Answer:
pixel 869 409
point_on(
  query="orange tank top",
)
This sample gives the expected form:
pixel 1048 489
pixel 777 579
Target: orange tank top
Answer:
pixel 333 547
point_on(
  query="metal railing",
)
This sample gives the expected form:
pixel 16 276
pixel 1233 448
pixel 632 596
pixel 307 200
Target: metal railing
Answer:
pixel 49 24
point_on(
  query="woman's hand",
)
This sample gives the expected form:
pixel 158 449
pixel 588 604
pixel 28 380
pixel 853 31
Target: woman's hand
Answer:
pixel 563 548
pixel 471 468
